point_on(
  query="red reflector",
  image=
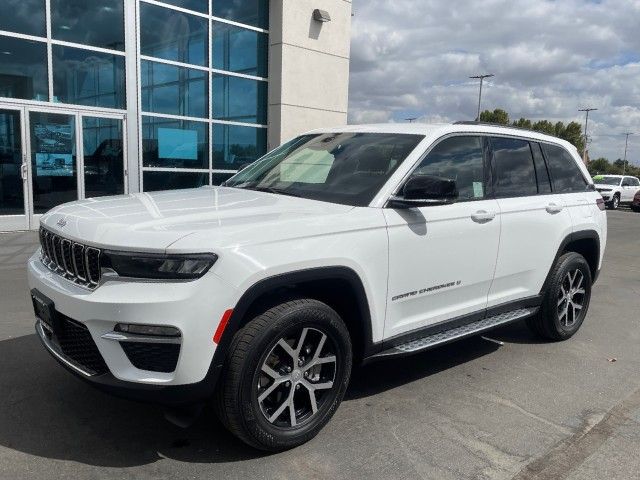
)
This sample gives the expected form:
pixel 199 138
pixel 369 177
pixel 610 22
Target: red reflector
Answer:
pixel 222 325
pixel 600 203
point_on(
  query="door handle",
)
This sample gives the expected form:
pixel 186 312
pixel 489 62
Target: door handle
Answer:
pixel 553 208
pixel 23 171
pixel 482 216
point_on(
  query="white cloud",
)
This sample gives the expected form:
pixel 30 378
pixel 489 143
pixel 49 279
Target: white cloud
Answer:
pixel 412 58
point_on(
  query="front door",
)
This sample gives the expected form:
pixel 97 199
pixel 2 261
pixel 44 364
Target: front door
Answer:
pixel 52 156
pixel 442 258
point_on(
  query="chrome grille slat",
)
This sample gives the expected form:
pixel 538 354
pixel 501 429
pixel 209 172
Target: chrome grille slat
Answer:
pixel 71 260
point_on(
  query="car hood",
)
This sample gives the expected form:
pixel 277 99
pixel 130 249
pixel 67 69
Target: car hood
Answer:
pixel 154 221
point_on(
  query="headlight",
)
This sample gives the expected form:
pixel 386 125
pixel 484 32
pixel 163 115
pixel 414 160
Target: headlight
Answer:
pixel 158 266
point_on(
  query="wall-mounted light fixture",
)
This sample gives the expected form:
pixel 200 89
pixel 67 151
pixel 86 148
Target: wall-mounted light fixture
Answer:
pixel 321 15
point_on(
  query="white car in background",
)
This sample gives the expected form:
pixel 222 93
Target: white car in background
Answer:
pixel 616 189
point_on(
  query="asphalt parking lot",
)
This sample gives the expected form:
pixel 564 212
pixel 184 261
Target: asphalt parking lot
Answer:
pixel 497 408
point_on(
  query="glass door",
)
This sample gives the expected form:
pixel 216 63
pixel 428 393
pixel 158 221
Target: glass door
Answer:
pixel 13 171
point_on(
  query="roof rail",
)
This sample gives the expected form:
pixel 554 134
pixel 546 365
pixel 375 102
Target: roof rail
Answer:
pixel 491 124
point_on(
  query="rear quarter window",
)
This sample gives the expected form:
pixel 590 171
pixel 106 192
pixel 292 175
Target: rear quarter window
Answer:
pixel 566 176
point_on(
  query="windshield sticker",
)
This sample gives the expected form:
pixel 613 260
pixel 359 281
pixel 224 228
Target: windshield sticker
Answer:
pixel 424 291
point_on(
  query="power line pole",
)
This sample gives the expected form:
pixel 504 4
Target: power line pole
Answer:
pixel 481 78
pixel 626 144
pixel 586 123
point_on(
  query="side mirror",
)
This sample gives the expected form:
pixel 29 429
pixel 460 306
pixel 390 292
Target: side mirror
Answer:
pixel 423 190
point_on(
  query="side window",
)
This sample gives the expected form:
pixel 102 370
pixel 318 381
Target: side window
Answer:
pixel 460 159
pixel 542 175
pixel 515 175
pixel 565 173
pixel 634 182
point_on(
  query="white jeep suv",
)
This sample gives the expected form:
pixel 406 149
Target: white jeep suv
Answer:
pixel 616 189
pixel 343 245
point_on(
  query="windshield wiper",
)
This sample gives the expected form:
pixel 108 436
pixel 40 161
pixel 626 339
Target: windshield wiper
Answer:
pixel 273 190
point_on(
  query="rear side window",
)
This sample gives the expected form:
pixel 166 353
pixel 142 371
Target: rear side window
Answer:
pixel 565 173
pixel 542 175
pixel 515 174
pixel 460 159
pixel 634 182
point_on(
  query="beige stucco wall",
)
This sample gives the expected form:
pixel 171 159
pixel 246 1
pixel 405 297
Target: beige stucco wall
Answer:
pixel 308 67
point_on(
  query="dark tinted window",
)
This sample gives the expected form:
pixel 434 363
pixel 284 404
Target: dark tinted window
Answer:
pixel 542 175
pixel 565 173
pixel 460 159
pixel 23 69
pixel 515 174
pixel 97 22
pixel 348 168
pixel 23 16
pixel 239 49
pixel 239 99
pixel 154 181
pixel 85 77
pixel 634 182
pixel 171 143
pixel 251 12
pixel 201 6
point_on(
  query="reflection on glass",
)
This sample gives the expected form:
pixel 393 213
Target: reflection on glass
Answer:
pixel 154 181
pixel 239 50
pixel 24 16
pixel 173 90
pixel 99 22
pixel 103 156
pixel 85 77
pixel 239 99
pixel 23 69
pixel 53 159
pixel 201 6
pixel 174 143
pixel 173 35
pixel 234 147
pixel 219 177
pixel 251 12
pixel 11 192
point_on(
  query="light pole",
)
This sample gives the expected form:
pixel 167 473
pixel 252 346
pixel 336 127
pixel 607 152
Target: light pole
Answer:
pixel 586 123
pixel 626 144
pixel 481 78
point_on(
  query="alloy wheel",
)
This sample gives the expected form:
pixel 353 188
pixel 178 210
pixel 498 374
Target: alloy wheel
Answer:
pixel 571 297
pixel 296 377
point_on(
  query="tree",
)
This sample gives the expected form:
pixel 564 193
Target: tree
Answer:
pixel 523 123
pixel 498 116
pixel 599 166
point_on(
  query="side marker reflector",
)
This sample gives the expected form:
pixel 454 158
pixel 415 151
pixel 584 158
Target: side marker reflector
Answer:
pixel 222 325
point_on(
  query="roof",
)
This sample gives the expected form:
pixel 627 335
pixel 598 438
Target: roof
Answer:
pixel 440 129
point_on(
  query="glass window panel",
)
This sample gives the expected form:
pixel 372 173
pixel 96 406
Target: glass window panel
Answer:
pixel 53 159
pixel 234 146
pixel 153 181
pixel 239 50
pixel 24 16
pixel 239 99
pixel 23 69
pixel 251 12
pixel 85 77
pixel 174 143
pixel 103 156
pixel 515 175
pixel 174 90
pixel 97 22
pixel 173 35
pixel 201 6
pixel 542 175
pixel 11 191
pixel 219 177
pixel 566 176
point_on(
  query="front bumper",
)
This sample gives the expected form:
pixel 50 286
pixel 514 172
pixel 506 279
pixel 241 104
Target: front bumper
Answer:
pixel 194 308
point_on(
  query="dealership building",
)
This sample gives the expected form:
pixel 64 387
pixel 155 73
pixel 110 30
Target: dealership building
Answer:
pixel 105 97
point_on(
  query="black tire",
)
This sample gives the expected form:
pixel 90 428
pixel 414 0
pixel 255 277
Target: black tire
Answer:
pixel 551 322
pixel 256 347
pixel 635 209
pixel 615 202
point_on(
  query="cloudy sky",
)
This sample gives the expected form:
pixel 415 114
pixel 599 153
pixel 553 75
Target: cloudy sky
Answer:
pixel 412 58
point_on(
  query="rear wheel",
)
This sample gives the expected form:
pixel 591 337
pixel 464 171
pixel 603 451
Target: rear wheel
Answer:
pixel 285 375
pixel 566 299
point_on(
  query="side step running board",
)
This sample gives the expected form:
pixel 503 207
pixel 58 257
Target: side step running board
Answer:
pixel 456 333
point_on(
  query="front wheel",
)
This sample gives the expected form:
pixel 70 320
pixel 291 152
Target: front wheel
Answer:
pixel 566 299
pixel 615 202
pixel 286 373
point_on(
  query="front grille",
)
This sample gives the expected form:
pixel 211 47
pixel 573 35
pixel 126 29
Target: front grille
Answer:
pixel 75 343
pixel 74 261
pixel 155 357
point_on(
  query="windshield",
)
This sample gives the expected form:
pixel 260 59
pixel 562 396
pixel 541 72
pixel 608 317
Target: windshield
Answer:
pixel 347 168
pixel 606 180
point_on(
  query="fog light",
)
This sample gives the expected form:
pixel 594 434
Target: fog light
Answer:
pixel 154 330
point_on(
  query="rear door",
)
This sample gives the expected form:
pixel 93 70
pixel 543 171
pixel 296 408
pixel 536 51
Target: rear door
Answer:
pixel 534 220
pixel 629 188
pixel 442 257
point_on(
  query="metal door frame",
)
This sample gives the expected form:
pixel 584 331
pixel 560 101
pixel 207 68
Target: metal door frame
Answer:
pixel 10 223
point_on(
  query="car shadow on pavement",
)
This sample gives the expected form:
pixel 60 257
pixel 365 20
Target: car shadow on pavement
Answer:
pixel 48 413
